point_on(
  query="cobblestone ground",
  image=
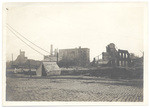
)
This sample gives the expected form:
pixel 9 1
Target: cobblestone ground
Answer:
pixel 73 88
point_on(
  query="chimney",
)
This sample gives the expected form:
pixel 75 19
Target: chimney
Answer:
pixel 55 52
pixel 51 50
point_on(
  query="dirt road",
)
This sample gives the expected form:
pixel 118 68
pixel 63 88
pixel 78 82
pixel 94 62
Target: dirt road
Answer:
pixel 73 88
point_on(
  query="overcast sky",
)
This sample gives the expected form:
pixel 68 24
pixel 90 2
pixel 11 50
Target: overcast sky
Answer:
pixel 70 25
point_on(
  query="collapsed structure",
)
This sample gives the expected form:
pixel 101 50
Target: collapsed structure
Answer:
pixel 21 59
pixel 114 57
pixel 23 62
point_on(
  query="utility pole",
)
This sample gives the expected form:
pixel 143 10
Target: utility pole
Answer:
pixel 57 57
pixel 50 50
pixel 12 61
pixel 30 69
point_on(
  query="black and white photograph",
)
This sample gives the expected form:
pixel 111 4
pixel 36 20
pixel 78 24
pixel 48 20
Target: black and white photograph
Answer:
pixel 75 52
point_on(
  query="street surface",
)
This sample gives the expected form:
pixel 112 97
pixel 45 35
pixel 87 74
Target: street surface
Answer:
pixel 73 88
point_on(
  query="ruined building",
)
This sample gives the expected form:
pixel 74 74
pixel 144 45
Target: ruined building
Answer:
pixel 123 58
pixel 21 59
pixel 74 57
pixel 114 57
pixel 23 62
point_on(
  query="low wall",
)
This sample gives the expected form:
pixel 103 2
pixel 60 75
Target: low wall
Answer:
pixel 107 72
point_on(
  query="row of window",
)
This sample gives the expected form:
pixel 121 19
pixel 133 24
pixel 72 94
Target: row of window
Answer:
pixel 121 63
pixel 123 55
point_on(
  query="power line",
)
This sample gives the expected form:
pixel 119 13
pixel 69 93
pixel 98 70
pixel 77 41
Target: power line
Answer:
pixel 25 42
pixel 98 56
pixel 116 47
pixel 26 38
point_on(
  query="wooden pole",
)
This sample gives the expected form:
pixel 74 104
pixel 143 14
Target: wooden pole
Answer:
pixel 57 57
pixel 12 60
pixel 30 69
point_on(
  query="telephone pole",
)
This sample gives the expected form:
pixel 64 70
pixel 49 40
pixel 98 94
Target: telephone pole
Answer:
pixel 57 57
pixel 30 69
pixel 12 61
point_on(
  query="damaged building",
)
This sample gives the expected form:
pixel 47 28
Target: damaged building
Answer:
pixel 23 62
pixel 114 57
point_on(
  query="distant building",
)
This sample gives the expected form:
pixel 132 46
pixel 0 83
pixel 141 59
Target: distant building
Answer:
pixel 50 58
pixel 21 59
pixel 123 58
pixel 23 62
pixel 53 57
pixel 74 57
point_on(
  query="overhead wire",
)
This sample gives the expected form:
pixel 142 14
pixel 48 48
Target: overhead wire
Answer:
pixel 26 38
pixel 25 42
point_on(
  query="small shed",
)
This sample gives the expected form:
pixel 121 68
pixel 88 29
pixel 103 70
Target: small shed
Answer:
pixel 48 68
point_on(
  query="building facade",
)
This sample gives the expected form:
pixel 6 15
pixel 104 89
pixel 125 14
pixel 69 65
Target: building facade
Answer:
pixel 74 57
pixel 123 58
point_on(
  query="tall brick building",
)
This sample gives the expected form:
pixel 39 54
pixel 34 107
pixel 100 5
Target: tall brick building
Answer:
pixel 74 57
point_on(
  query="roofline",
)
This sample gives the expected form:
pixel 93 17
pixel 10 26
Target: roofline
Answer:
pixel 123 50
pixel 74 49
